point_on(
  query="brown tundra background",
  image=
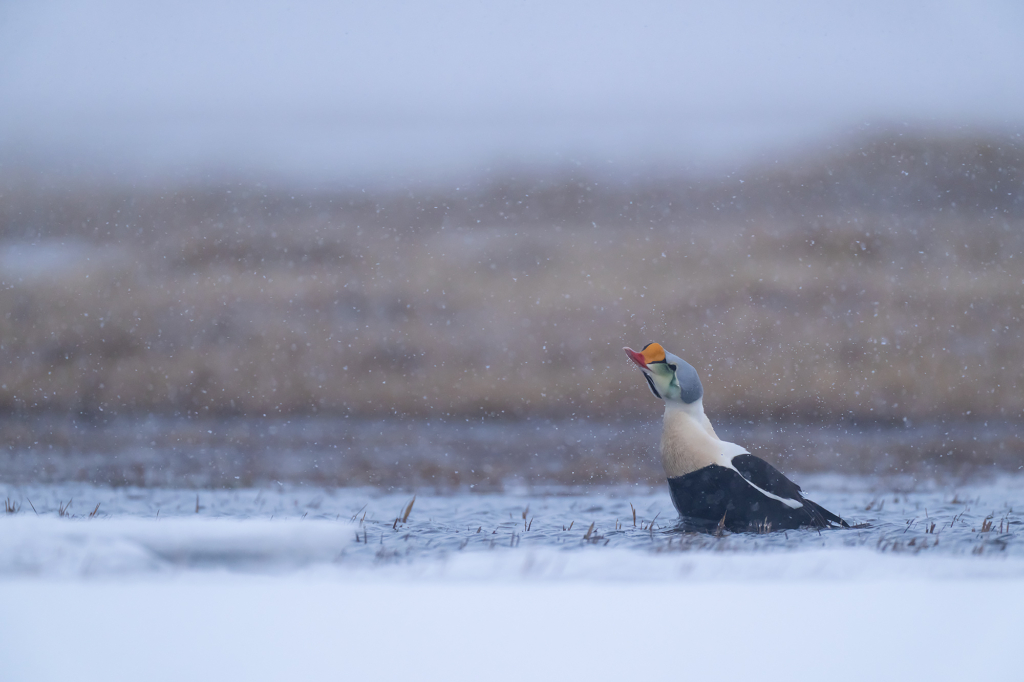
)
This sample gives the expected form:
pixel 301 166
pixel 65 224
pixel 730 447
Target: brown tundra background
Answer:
pixel 880 282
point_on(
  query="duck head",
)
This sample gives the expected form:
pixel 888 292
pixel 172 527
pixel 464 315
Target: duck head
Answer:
pixel 670 378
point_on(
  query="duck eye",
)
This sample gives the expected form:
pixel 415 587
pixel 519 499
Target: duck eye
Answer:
pixel 671 367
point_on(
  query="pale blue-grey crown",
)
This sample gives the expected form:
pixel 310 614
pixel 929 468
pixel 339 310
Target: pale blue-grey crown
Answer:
pixel 690 389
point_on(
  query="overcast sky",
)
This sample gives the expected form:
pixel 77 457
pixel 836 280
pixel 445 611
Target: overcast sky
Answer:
pixel 404 89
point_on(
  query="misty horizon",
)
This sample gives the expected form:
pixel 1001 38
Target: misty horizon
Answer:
pixel 394 93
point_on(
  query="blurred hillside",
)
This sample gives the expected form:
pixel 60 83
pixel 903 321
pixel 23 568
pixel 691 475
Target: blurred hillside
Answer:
pixel 882 280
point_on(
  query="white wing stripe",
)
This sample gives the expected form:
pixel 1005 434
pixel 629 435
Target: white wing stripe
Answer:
pixel 792 504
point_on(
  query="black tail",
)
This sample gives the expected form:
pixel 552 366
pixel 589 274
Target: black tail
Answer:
pixel 823 518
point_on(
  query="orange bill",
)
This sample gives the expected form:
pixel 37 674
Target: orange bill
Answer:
pixel 652 352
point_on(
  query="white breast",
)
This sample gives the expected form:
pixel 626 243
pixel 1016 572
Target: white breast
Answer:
pixel 688 442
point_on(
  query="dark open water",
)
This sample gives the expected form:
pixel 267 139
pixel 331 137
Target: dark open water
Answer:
pixel 461 454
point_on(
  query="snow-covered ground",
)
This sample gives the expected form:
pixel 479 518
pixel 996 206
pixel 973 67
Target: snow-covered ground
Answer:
pixel 317 626
pixel 300 583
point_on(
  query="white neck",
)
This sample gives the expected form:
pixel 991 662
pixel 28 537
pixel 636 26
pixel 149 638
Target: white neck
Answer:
pixel 688 442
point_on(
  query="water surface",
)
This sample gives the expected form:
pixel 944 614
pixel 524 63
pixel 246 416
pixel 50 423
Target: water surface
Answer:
pixel 79 528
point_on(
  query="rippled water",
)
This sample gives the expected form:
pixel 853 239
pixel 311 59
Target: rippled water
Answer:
pixel 456 454
pixel 145 529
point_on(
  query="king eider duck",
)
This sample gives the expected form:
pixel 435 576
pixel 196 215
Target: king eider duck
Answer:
pixel 715 483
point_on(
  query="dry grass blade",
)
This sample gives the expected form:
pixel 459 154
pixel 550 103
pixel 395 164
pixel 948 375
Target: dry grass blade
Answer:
pixel 92 514
pixel 62 509
pixel 590 532
pixel 11 507
pixel 721 526
pixel 408 509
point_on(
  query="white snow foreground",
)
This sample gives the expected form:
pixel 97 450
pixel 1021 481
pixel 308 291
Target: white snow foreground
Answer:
pixel 226 599
pixel 220 627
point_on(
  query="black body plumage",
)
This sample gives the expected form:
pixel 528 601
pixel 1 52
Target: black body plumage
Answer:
pixel 719 495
